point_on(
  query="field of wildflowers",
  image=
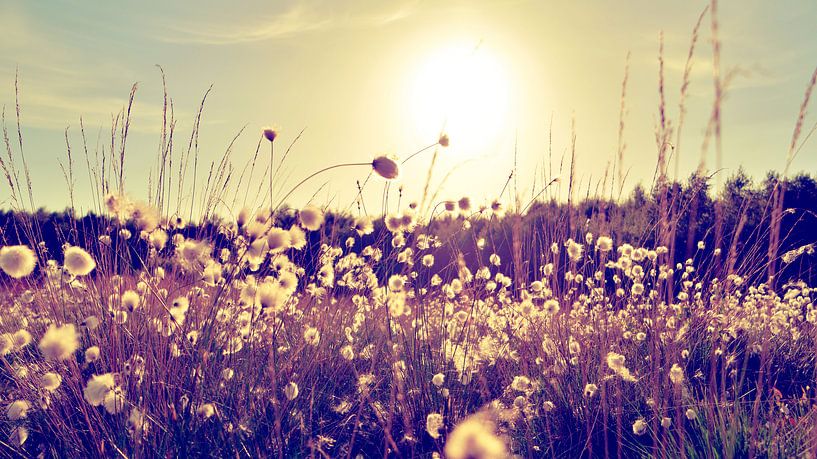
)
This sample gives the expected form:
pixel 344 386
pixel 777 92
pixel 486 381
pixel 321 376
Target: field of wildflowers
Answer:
pixel 270 335
pixel 284 332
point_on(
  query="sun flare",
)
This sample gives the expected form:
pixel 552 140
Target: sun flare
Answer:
pixel 464 91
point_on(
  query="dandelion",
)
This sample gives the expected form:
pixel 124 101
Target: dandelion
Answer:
pixel 604 244
pixel 475 437
pixel 347 352
pixel 136 422
pixel 114 401
pixel 130 300
pixel 312 336
pixel 21 338
pixel 206 410
pixel 394 223
pixel 520 383
pixel 17 260
pixel 676 374
pixel 438 379
pixel 615 361
pixel 311 218
pixel 278 240
pixel 92 354
pixel 574 250
pixel 59 343
pixel 297 237
pixel 145 216
pixel 291 391
pixel 386 167
pixel 19 435
pixel 666 422
pixel 639 427
pixel 363 225
pixel 364 383
pixel 77 261
pixel 272 297
pixel 551 306
pixel 434 423
pixel 573 346
pixel 494 259
pixel 97 388
pixel 17 410
pixel 51 381
pixel 396 283
pixel 6 344
pixel 590 390
pixel 548 406
pixel 192 255
pixel 691 414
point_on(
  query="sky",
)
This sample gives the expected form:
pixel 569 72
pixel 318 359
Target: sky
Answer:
pixel 509 81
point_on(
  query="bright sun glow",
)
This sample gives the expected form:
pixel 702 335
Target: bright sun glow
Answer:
pixel 464 91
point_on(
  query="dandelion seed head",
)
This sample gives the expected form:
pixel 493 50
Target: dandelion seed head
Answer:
pixel 604 244
pixel 291 391
pixel 17 261
pixel 434 423
pixel 77 261
pixel 639 427
pixel 206 410
pixel 363 225
pixel 51 381
pixel 19 435
pixel 21 338
pixel 59 343
pixel 278 240
pixel 92 354
pixel 297 237
pixel 438 379
pixel 114 401
pixel 676 374
pixel 18 409
pixel 311 218
pixel 312 336
pixel 475 437
pixel 98 387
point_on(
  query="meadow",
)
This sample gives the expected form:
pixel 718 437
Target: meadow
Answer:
pixel 674 322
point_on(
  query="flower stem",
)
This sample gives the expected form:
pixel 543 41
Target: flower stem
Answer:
pixel 317 173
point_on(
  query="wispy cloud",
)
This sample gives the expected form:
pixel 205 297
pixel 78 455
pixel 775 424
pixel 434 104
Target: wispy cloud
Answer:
pixel 295 21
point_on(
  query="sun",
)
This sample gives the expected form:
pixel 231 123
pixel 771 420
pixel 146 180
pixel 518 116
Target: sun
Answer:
pixel 462 90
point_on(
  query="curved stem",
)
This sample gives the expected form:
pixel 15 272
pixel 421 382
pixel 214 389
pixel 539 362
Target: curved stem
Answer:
pixel 419 151
pixel 539 194
pixel 317 173
pixel 271 173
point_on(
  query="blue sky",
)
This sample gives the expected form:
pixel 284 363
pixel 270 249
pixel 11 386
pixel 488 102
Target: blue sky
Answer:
pixel 362 78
